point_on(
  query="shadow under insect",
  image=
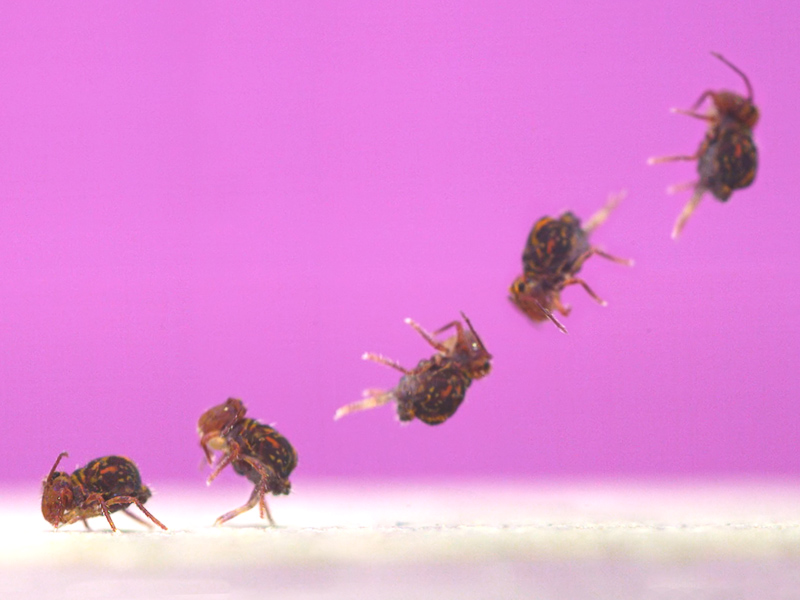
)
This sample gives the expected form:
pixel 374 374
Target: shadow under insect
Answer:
pixel 434 389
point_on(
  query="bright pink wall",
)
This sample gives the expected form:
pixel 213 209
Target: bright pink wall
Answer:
pixel 204 199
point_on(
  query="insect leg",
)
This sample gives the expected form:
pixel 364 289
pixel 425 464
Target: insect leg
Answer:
pixel 135 517
pixel 372 399
pixel 230 455
pixel 382 360
pixel 593 250
pixel 654 160
pixel 258 495
pixel 204 445
pixel 584 285
pixel 427 336
pixel 687 212
pixel 693 114
pixel 131 500
pixel 681 187
pixel 703 96
pixel 103 506
pixel 254 499
pixel 601 215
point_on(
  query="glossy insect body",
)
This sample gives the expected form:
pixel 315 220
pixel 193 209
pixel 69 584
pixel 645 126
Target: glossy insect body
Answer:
pixel 553 247
pixel 554 253
pixel 105 485
pixel 432 392
pixel 727 158
pixel 435 388
pixel 255 450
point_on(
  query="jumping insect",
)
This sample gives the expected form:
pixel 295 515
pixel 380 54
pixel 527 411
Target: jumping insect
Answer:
pixel 103 486
pixel 727 158
pixel 255 450
pixel 434 389
pixel 554 253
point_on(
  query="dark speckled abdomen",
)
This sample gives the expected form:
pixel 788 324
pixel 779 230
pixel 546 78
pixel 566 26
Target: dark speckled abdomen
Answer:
pixel 269 447
pixel 113 476
pixel 552 247
pixel 728 159
pixel 432 393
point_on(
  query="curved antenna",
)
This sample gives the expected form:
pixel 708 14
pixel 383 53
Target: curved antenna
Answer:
pixel 735 68
pixel 58 460
pixel 472 329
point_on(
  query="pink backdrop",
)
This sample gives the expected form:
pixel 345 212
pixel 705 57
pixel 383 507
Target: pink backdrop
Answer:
pixel 202 199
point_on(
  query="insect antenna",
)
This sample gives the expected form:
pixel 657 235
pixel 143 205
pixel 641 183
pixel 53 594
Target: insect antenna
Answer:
pixel 739 71
pixel 472 329
pixel 58 460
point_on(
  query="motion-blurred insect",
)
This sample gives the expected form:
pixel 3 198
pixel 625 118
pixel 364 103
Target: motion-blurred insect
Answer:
pixel 434 389
pixel 255 450
pixel 727 158
pixel 105 485
pixel 554 253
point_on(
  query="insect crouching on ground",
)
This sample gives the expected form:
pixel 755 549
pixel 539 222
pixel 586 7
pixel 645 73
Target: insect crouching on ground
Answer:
pixel 255 450
pixel 105 485
pixel 554 253
pixel 727 158
pixel 434 389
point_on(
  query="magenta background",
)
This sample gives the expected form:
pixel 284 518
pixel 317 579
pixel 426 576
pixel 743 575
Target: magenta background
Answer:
pixel 209 199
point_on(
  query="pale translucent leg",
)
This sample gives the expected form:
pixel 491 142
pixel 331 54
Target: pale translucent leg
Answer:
pixel 584 285
pixel 372 399
pixel 429 337
pixel 601 215
pixel 687 211
pixel 382 360
pixel 655 160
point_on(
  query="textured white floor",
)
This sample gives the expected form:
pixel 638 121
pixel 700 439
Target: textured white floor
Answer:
pixel 392 540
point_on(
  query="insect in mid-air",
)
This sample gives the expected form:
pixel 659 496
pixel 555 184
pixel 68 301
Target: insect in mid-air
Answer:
pixel 727 158
pixel 434 389
pixel 255 450
pixel 554 253
pixel 105 485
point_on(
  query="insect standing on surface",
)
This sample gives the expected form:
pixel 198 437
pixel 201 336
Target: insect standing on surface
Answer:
pixel 255 450
pixel 103 486
pixel 727 158
pixel 434 389
pixel 554 253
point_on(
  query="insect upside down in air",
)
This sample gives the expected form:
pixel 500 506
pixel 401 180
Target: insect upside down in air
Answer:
pixel 727 158
pixel 555 252
pixel 105 485
pixel 254 449
pixel 434 389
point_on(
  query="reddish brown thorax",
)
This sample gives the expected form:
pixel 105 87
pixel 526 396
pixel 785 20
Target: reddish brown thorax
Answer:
pixel 216 422
pixel 105 485
pixel 466 350
pixel 731 105
pixel 57 496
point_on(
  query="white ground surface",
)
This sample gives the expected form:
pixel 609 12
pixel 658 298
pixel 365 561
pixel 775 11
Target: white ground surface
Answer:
pixel 421 540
